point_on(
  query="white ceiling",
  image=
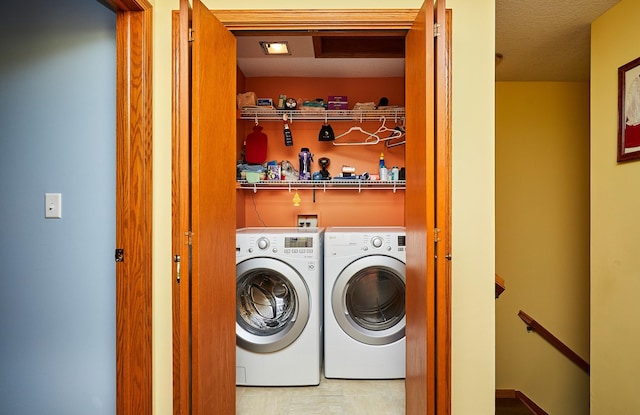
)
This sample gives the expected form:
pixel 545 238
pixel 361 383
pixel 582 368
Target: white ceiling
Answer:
pixel 541 40
pixel 301 63
pixel 545 40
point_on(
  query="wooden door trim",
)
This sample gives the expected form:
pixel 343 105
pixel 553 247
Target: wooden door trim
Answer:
pixel 133 206
pixel 329 19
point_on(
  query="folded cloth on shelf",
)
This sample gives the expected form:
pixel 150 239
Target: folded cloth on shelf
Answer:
pixel 364 106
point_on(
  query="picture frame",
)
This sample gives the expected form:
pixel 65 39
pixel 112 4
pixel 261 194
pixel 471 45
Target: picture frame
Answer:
pixel 629 111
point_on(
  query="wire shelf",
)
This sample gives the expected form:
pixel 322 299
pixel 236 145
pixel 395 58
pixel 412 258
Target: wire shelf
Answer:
pixel 334 184
pixel 258 113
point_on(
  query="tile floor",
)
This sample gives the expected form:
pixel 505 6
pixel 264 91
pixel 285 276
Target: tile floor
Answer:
pixel 331 397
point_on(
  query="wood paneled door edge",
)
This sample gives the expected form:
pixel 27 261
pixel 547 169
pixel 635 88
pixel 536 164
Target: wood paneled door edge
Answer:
pixel 134 392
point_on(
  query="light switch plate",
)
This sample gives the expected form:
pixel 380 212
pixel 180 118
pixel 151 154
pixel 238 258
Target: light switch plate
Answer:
pixel 53 205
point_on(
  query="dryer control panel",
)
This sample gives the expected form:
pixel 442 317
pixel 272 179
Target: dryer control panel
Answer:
pixel 370 242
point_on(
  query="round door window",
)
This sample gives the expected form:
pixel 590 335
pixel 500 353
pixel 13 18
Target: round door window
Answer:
pixel 369 300
pixel 271 305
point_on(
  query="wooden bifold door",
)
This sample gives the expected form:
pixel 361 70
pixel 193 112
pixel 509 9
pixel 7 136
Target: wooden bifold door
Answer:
pixel 204 207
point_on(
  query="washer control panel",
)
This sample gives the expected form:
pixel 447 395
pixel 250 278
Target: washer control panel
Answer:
pixel 281 244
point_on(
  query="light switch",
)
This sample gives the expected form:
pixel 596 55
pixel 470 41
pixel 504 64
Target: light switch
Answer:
pixel 53 205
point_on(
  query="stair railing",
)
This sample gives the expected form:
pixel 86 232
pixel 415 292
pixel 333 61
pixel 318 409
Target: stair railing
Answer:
pixel 533 325
pixel 500 285
pixel 524 399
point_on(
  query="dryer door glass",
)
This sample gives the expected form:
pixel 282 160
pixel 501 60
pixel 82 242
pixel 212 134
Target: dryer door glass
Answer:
pixel 368 300
pixel 375 299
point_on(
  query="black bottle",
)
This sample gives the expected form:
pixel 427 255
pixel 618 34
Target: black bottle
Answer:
pixel 288 137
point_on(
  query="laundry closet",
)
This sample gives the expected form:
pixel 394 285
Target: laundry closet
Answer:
pixel 335 173
pixel 210 201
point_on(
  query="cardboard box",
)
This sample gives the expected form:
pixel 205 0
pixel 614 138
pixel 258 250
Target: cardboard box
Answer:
pixel 246 99
pixel 337 105
pixel 337 102
pixel 273 172
pixel 337 98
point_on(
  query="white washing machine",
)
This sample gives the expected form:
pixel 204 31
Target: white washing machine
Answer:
pixel 279 306
pixel 364 309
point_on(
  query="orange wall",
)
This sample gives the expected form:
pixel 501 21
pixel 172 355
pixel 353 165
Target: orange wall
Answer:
pixel 333 207
pixel 240 125
pixel 356 89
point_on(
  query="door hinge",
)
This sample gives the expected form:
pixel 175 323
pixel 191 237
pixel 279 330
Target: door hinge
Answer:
pixel 436 29
pixel 189 236
pixel 119 255
pixel 190 35
pixel 176 259
pixel 436 235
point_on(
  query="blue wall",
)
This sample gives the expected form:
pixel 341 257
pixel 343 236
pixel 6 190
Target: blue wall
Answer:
pixel 57 276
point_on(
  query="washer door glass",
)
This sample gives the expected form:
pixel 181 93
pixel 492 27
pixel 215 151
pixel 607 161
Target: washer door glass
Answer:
pixel 272 305
pixel 369 300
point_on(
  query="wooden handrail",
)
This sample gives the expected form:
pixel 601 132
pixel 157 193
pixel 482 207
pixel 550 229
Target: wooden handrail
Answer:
pixel 500 286
pixel 533 325
pixel 514 394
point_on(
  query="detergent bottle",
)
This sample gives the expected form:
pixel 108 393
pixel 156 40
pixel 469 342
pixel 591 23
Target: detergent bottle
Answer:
pixel 305 157
pixel 382 168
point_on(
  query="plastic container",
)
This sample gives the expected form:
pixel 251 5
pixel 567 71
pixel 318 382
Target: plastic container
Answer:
pixel 382 169
pixel 305 157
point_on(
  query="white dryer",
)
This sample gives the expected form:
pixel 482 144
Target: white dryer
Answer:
pixel 364 310
pixel 278 306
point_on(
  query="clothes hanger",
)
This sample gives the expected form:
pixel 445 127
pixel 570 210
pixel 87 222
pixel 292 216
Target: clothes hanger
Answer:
pixel 370 140
pixel 401 135
pixel 395 132
pixel 389 143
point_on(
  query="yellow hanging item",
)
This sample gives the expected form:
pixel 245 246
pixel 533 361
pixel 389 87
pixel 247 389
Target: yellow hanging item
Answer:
pixel 296 199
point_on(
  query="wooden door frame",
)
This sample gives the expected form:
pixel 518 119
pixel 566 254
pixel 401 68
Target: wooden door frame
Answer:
pixel 181 217
pixel 134 170
pixel 386 19
pixel 443 161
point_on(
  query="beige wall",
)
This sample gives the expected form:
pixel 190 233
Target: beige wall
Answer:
pixel 473 303
pixel 162 265
pixel 542 239
pixel 473 194
pixel 615 223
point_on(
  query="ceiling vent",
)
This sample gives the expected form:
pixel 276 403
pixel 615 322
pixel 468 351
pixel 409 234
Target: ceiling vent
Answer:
pixel 349 46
